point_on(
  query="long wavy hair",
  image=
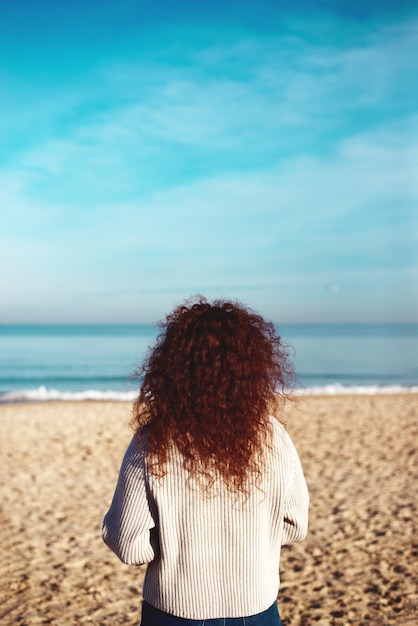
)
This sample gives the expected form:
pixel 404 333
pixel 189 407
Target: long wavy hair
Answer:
pixel 215 374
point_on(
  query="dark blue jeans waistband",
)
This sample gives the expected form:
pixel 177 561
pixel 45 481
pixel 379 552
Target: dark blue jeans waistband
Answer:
pixel 154 617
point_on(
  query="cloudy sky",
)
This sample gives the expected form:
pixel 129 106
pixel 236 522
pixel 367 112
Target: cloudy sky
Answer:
pixel 262 151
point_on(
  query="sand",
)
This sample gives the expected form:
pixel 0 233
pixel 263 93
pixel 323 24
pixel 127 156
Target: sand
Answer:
pixel 59 464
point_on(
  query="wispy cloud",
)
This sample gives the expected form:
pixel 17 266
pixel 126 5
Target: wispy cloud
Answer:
pixel 248 99
pixel 354 201
pixel 262 163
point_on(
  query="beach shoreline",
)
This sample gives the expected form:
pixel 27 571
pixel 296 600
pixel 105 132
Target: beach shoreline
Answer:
pixel 59 465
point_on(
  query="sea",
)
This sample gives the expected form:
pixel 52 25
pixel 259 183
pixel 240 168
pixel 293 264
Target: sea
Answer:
pixel 98 362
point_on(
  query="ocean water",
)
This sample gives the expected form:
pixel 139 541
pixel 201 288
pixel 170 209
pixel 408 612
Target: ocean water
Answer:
pixel 76 362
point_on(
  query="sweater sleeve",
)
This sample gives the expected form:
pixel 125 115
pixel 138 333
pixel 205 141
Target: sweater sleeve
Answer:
pixel 128 523
pixel 297 503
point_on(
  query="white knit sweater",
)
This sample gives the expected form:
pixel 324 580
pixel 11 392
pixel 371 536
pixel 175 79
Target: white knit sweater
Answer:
pixel 209 556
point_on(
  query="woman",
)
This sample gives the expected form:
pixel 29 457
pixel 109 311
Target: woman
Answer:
pixel 211 485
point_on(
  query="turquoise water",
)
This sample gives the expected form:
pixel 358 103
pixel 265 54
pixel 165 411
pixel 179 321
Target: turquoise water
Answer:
pixel 84 361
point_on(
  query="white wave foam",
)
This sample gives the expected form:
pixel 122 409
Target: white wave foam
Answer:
pixel 42 394
pixel 338 389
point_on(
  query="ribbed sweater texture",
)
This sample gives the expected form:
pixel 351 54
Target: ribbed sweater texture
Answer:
pixel 209 555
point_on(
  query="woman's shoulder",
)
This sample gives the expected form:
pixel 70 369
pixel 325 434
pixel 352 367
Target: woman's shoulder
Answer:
pixel 278 426
pixel 281 437
pixel 138 448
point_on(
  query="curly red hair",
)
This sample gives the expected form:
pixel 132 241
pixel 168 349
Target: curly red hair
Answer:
pixel 216 372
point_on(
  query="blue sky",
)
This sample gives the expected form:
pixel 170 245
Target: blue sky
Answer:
pixel 265 152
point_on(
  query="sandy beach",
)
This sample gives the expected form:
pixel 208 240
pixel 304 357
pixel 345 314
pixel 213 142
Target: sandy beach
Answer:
pixel 59 465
